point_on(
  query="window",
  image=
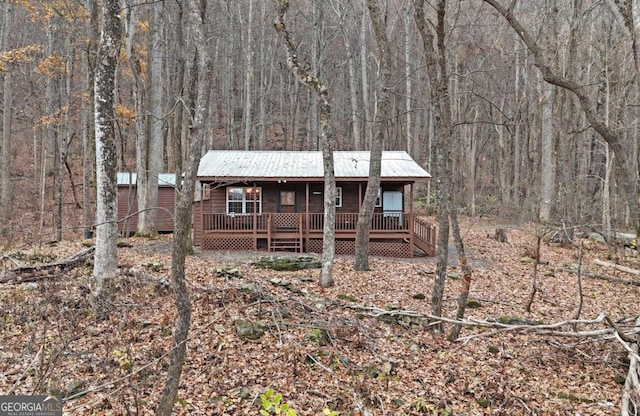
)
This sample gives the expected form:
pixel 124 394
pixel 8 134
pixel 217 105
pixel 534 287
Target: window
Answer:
pixel 379 198
pixel 338 197
pixel 243 200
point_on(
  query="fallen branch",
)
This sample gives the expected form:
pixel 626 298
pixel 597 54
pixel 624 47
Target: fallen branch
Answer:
pixel 591 275
pixel 42 271
pixel 631 393
pixel 617 266
pixel 553 329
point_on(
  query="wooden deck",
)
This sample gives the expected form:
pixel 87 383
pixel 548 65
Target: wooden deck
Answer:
pixel 392 234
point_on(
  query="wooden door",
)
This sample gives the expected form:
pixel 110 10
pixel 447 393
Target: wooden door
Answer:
pixel 287 201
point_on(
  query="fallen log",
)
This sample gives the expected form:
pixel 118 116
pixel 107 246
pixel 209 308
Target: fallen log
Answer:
pixel 42 271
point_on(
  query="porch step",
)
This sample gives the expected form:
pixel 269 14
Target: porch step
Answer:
pixel 285 244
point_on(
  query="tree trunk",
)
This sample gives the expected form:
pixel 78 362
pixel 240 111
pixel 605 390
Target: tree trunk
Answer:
pixel 105 265
pixel 7 113
pixel 249 83
pixel 437 71
pixel 177 129
pixel 265 80
pixel 364 74
pixel 154 131
pixel 466 274
pixel 319 89
pixel 356 118
pixel 408 50
pixel 317 16
pixel 88 150
pixel 630 13
pixel 548 163
pixel 144 180
pixel 383 54
pixel 65 140
pixel 196 47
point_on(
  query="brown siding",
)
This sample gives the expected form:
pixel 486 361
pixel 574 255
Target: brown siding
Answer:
pixel 270 195
pixel 166 202
pixel 350 197
pixel 128 208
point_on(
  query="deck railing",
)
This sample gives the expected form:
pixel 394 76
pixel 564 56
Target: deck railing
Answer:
pixel 273 226
pixel 234 223
pixel 424 236
pixel 388 221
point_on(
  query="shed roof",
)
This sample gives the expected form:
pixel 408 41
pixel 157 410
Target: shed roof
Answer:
pixel 130 178
pixel 242 166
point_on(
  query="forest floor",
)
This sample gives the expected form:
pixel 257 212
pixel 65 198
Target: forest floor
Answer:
pixel 322 348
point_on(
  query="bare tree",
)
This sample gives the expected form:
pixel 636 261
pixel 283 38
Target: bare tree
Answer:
pixel 629 13
pixel 436 69
pixel 382 117
pixel 199 72
pixel 548 154
pixel 88 150
pixel 250 53
pixel 318 88
pixel 105 264
pixel 147 219
pixel 445 138
pixel 624 159
pixel 148 98
pixel 7 99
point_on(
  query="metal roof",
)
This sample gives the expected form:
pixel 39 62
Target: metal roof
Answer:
pixel 237 165
pixel 130 178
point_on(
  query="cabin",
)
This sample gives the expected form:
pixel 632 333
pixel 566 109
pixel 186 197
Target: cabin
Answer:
pixel 274 201
pixel 128 203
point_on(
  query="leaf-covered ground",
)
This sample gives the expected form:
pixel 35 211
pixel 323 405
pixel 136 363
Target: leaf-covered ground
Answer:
pixel 321 349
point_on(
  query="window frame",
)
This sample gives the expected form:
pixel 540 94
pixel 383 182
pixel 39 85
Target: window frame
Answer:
pixel 244 201
pixel 338 196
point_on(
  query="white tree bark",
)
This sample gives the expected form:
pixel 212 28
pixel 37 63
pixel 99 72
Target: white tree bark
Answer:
pixel 548 163
pixel 105 264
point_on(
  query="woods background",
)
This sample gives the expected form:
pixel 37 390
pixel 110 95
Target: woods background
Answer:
pixel 520 148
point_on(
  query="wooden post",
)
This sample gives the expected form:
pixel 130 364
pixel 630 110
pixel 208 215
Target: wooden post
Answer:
pixel 306 221
pixel 255 216
pixel 269 232
pixel 410 222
